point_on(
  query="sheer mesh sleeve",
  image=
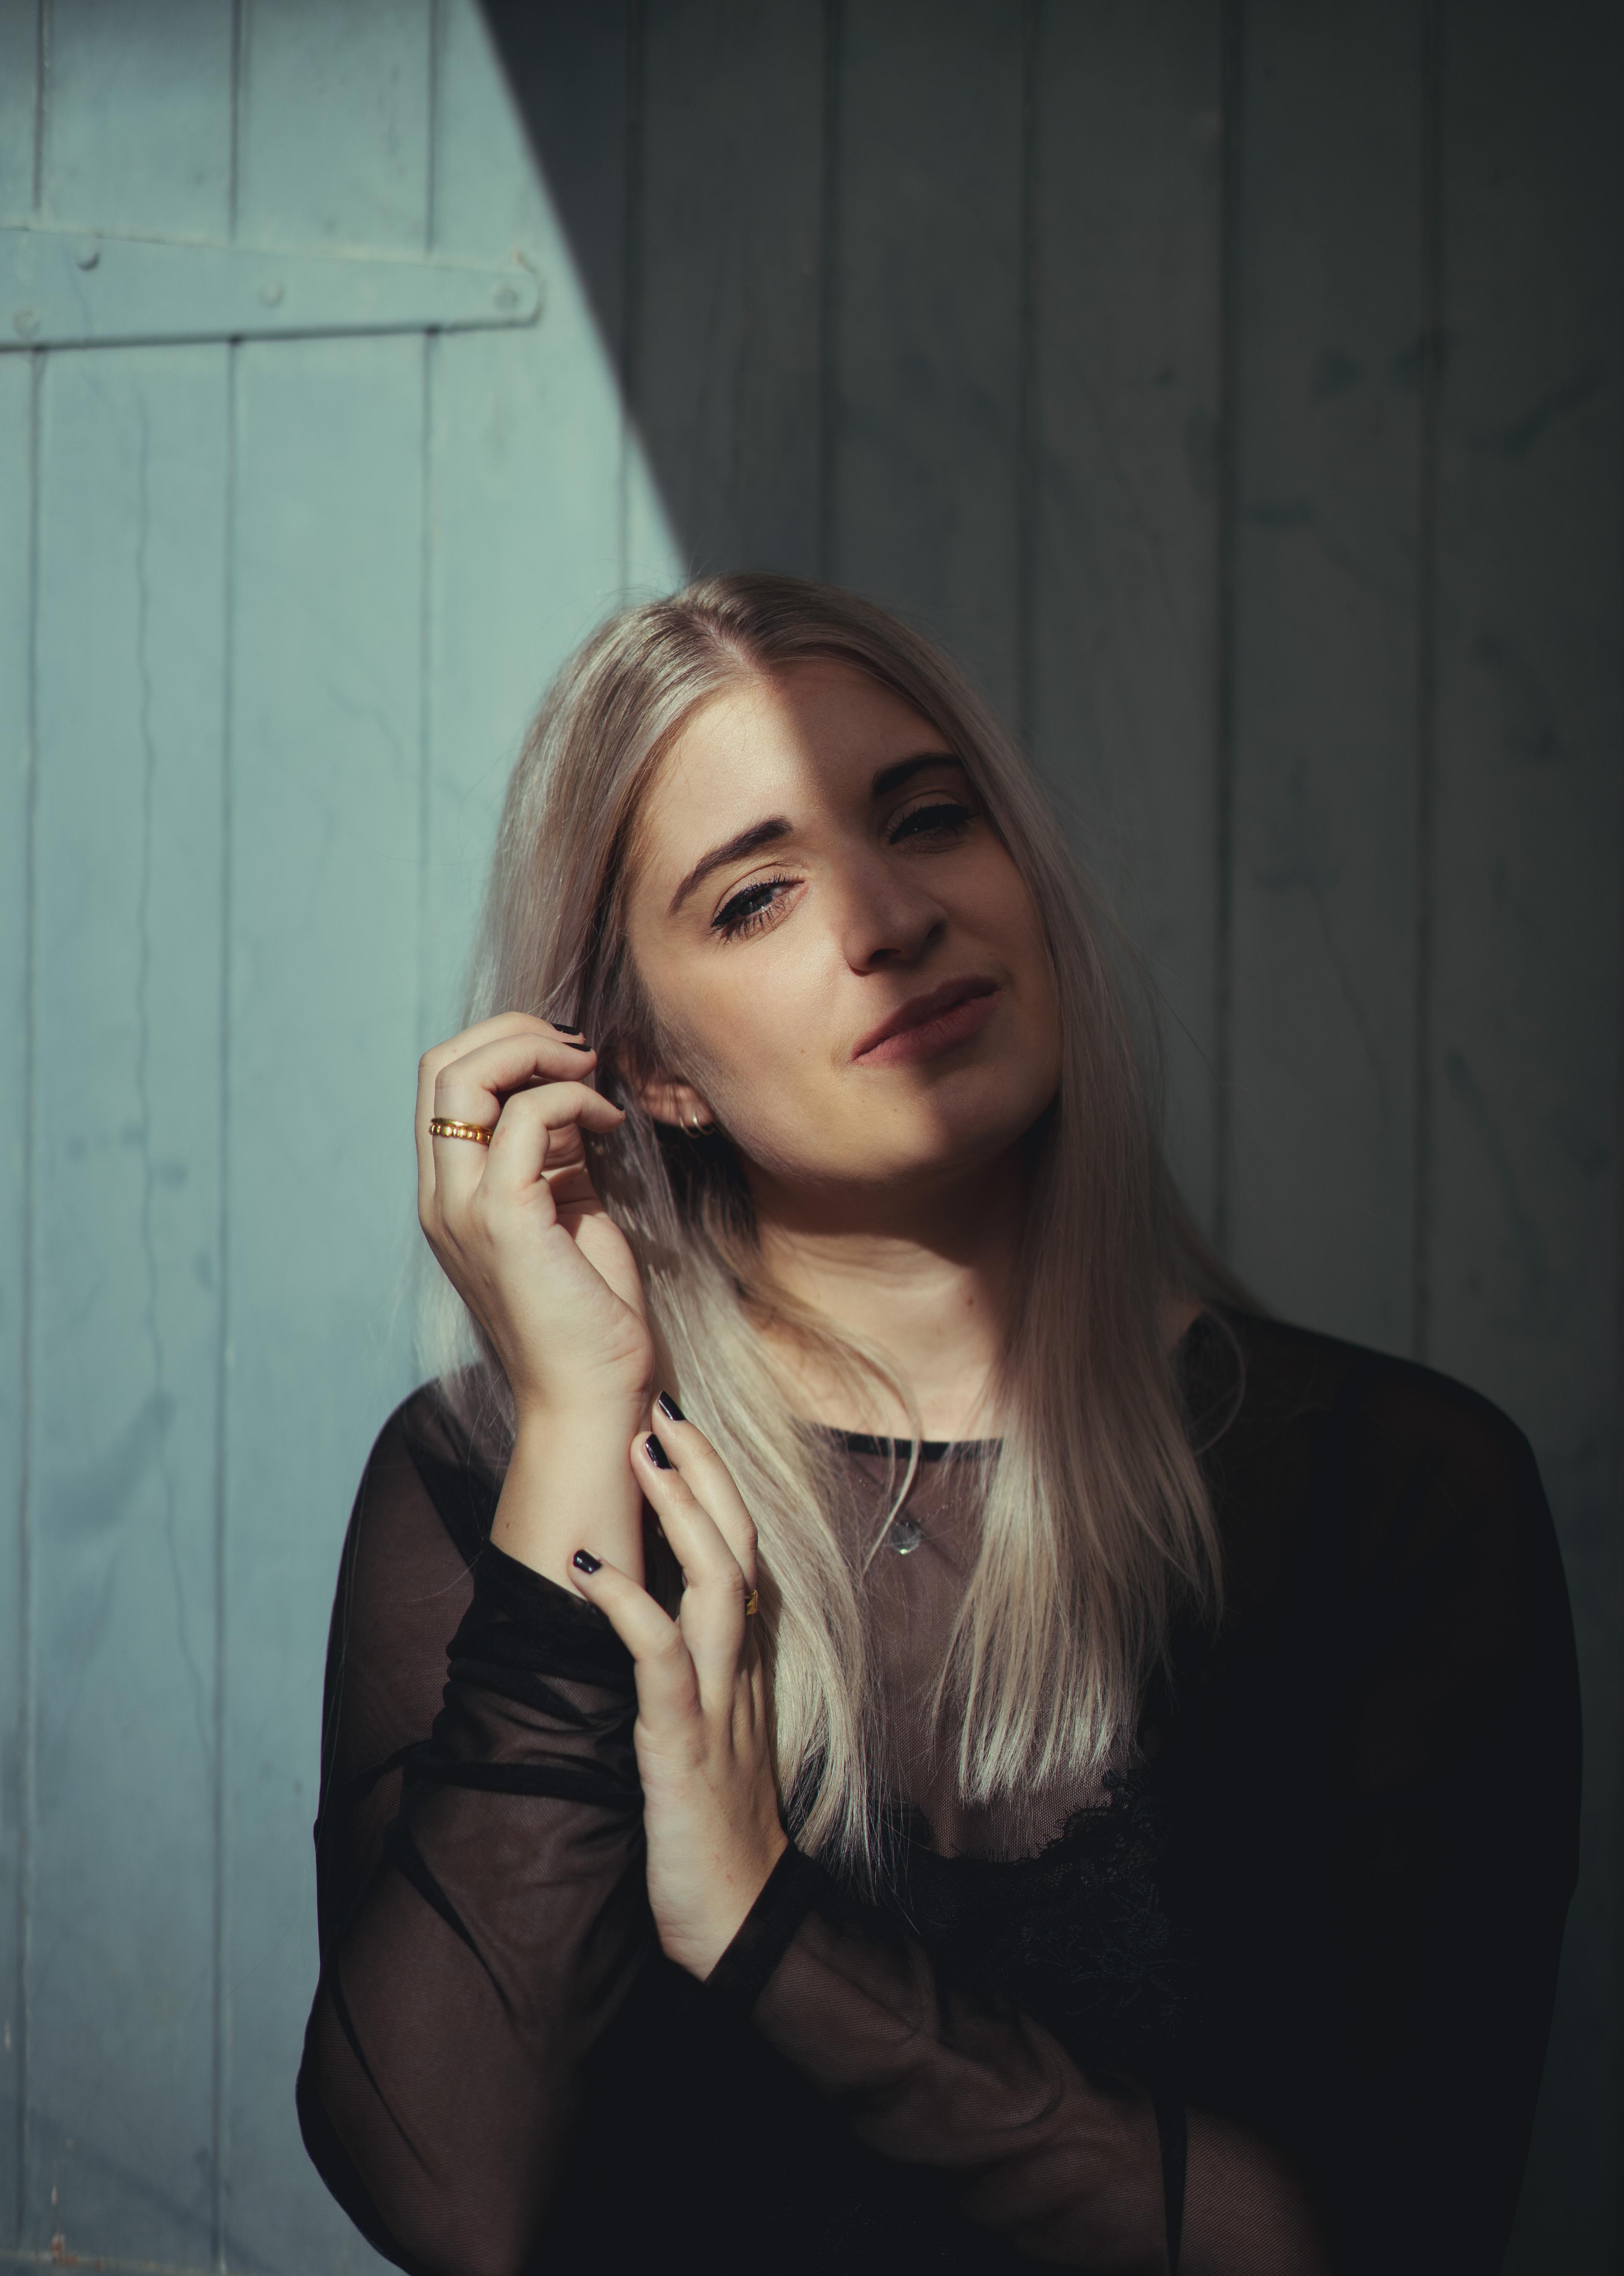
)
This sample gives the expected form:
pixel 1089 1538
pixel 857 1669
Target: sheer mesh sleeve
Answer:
pixel 480 1876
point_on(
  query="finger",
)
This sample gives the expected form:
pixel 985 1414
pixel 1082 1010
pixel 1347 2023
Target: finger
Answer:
pixel 512 1167
pixel 473 1086
pixel 668 1694
pixel 508 1029
pixel 507 1063
pixel 490 1031
pixel 712 1616
pixel 709 1479
pixel 541 1128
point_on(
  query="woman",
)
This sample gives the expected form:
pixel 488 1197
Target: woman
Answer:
pixel 877 1715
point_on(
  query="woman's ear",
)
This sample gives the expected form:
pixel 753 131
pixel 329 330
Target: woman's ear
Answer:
pixel 667 1099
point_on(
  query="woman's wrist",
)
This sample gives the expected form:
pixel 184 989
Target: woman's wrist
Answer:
pixel 569 1486
pixel 580 1424
pixel 732 1898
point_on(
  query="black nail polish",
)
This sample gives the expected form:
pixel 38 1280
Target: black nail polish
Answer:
pixel 584 1561
pixel 656 1453
pixel 668 1407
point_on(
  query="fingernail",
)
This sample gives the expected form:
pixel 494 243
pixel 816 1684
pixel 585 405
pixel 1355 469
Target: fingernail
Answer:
pixel 668 1407
pixel 570 1046
pixel 584 1561
pixel 656 1453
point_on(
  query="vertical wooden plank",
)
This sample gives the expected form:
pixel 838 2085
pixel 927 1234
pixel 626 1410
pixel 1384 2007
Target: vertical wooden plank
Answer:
pixel 726 374
pixel 323 956
pixel 1123 689
pixel 324 962
pixel 1524 1227
pixel 334 131
pixel 929 322
pixel 124 1431
pixel 127 1303
pixel 526 426
pixel 138 131
pixel 19 46
pixel 1324 689
pixel 17 379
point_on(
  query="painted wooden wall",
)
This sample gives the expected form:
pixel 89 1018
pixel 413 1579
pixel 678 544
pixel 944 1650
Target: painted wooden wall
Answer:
pixel 1234 383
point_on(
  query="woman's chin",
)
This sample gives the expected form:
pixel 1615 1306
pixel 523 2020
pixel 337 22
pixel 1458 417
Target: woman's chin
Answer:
pixel 893 1158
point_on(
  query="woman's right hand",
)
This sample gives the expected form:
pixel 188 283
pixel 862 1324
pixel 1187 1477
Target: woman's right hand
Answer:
pixel 516 1227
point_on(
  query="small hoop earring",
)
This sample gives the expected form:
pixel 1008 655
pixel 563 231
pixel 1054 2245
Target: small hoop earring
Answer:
pixel 693 1121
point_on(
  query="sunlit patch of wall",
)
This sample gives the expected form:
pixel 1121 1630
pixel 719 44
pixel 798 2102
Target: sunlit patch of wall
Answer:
pixel 274 613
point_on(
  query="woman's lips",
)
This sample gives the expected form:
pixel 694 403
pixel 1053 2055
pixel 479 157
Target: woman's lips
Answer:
pixel 948 1016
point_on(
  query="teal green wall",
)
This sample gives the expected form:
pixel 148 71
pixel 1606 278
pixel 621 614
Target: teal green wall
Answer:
pixel 1235 385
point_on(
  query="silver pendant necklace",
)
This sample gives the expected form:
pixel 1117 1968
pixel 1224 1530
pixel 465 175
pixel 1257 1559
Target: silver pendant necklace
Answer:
pixel 905 1534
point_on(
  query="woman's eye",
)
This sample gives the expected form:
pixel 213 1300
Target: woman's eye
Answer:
pixel 745 911
pixel 943 817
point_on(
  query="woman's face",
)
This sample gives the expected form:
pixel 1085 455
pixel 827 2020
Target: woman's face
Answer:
pixel 849 963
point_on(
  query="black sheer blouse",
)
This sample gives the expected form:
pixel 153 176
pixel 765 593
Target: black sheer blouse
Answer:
pixel 1322 1901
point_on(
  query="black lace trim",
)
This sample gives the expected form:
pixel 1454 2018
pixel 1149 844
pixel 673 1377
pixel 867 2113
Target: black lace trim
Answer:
pixel 1077 1934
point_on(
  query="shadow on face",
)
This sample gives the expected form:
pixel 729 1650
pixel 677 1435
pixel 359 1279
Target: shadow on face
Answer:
pixel 839 943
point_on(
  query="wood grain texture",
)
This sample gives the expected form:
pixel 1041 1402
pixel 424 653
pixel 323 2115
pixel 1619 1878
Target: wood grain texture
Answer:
pixel 1123 640
pixel 927 307
pixel 127 1284
pixel 1326 616
pixel 19 43
pixel 727 359
pixel 325 786
pixel 334 122
pixel 17 460
pixel 1523 1248
pixel 579 79
pixel 526 439
pixel 138 126
pixel 322 960
pixel 122 2040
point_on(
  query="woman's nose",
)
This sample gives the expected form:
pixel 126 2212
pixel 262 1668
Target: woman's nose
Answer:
pixel 886 916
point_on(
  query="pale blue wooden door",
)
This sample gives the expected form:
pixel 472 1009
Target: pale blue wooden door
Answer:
pixel 1237 389
pixel 273 611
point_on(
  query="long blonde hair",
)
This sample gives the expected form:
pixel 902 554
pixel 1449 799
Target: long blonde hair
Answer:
pixel 1096 1521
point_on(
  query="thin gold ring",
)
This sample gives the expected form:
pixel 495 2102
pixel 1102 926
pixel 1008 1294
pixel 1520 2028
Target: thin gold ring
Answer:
pixel 751 1603
pixel 440 1128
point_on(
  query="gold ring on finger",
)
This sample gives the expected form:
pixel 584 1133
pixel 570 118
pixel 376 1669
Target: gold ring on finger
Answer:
pixel 441 1128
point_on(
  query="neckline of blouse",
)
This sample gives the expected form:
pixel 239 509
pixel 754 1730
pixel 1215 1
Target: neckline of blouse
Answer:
pixel 934 1450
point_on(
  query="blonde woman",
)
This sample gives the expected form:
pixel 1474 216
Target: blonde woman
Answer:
pixel 877 1717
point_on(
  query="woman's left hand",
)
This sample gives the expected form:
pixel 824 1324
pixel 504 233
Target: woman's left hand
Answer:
pixel 710 1807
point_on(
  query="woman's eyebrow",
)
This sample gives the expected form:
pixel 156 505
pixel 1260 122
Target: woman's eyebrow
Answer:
pixel 734 849
pixel 893 776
